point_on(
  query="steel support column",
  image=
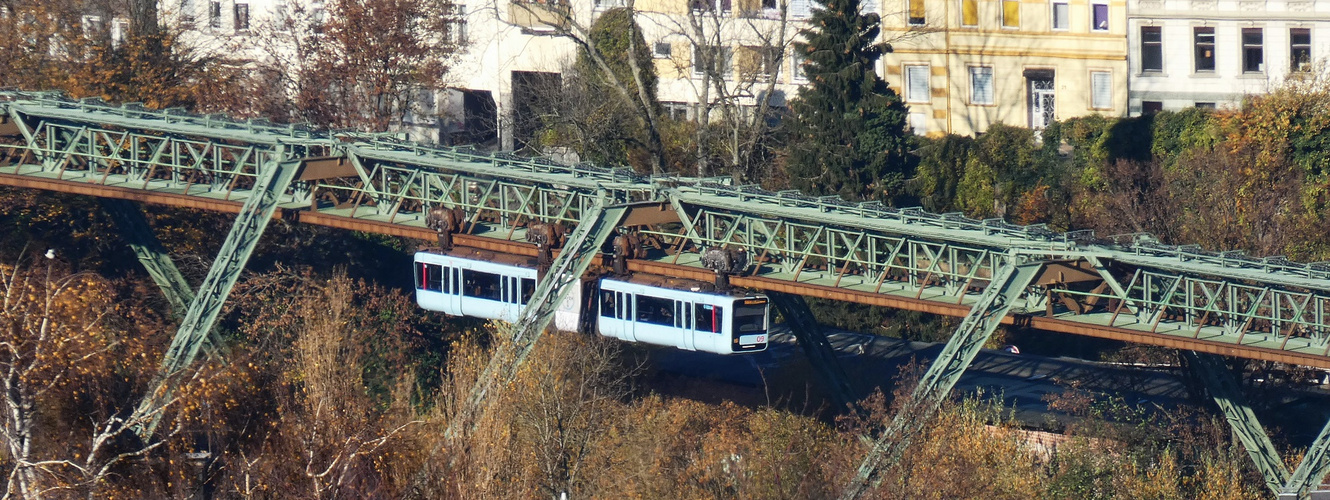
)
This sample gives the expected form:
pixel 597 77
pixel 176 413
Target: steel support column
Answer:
pixel 582 246
pixel 207 304
pixel 1228 395
pixel 135 230
pixel 997 300
pixel 1315 465
pixel 815 345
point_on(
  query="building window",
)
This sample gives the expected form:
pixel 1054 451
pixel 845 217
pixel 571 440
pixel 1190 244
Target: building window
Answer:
pixel 661 50
pixel 759 63
pixel 916 12
pixel 797 65
pixel 1101 88
pixel 1205 48
pixel 186 11
pixel 800 9
pixel 119 28
pixel 722 6
pixel 981 85
pixel 215 14
pixel 916 84
pixel 969 12
pixel 455 27
pixel 1253 50
pixel 1205 105
pixel 1151 107
pixel 242 16
pixel 677 111
pixel 1152 49
pixel 1099 17
pixel 1300 49
pixel 713 61
pixel 1011 13
pixel 1061 16
pixel 93 27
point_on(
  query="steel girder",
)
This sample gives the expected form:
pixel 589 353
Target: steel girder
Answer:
pixel 1313 468
pixel 135 229
pixel 936 383
pixel 249 225
pixel 1227 393
pixel 816 346
pixel 150 253
pixel 389 189
pixel 1228 396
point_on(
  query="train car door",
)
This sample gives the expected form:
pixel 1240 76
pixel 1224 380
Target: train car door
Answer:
pixel 512 302
pixel 629 322
pixel 683 321
pixel 452 287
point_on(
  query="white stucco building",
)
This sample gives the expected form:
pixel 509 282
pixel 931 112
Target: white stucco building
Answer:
pixel 1211 53
pixel 509 46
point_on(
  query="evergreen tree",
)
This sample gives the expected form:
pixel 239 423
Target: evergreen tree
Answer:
pixel 848 128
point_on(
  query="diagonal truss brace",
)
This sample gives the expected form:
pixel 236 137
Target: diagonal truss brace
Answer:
pixel 583 245
pixel 1009 282
pixel 1315 465
pixel 1226 393
pixel 207 304
pixel 135 229
pixel 815 345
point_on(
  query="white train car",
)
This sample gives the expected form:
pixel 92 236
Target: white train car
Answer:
pixel 683 314
pixel 477 284
pixel 651 309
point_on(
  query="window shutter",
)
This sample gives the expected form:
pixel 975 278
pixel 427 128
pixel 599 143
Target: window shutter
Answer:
pixel 981 79
pixel 801 8
pixel 1102 86
pixel 918 83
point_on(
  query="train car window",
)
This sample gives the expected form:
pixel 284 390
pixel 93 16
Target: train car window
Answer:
pixel 655 310
pixel 607 303
pixel 750 318
pixel 528 289
pixel 449 280
pixel 482 285
pixel 429 277
pixel 709 318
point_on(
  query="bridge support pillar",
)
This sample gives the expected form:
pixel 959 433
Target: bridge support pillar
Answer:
pixel 578 251
pixel 1224 388
pixel 997 300
pixel 1228 395
pixel 202 313
pixel 815 345
pixel 135 230
pixel 1315 465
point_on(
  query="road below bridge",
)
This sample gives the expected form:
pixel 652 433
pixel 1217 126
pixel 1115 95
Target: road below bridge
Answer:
pixel 782 376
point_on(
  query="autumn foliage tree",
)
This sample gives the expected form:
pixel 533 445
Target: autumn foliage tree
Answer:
pixel 357 64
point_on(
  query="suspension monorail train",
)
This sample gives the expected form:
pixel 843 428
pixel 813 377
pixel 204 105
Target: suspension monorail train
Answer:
pixel 651 309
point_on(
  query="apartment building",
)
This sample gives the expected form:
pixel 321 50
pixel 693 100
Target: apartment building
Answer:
pixel 963 65
pixel 1211 53
pixel 706 52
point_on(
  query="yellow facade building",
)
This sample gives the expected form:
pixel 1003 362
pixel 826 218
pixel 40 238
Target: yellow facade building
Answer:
pixel 963 65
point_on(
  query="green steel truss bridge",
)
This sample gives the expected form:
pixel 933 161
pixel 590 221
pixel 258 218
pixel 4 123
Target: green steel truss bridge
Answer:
pixel 987 272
